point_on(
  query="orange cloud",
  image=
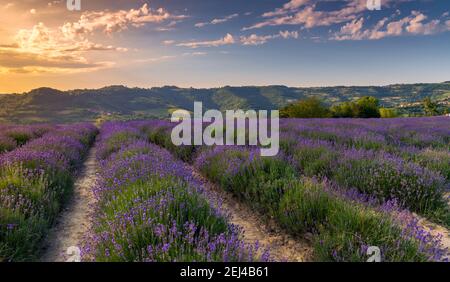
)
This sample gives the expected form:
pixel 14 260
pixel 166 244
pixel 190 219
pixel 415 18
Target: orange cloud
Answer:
pixel 62 49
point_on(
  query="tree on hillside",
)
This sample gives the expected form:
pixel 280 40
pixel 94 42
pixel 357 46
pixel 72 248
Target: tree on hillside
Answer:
pixel 368 107
pixel 388 113
pixel 344 110
pixel 365 107
pixel 429 107
pixel 308 108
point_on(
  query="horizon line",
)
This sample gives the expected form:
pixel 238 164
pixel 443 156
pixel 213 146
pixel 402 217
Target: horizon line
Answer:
pixel 218 87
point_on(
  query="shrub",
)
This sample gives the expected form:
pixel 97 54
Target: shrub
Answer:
pixel 258 180
pixel 35 181
pixel 161 136
pixel 20 135
pixel 116 142
pixel 343 228
pixel 436 160
pixel 314 158
pixel 150 208
pixel 387 177
pixel 388 113
pixel 307 108
pixel 162 220
pixel 364 107
pixel 7 144
pixel 367 107
pixel 304 206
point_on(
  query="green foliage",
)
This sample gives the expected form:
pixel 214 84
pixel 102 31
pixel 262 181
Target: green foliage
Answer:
pixel 436 160
pixel 34 200
pixel 417 188
pixel 388 113
pixel 20 136
pixel 304 206
pixel 116 142
pixel 344 110
pixel 314 161
pixel 260 183
pixel 429 107
pixel 307 108
pixel 161 136
pixel 7 144
pixel 365 107
pixel 136 234
pixel 118 102
pixel 342 227
pixel 20 235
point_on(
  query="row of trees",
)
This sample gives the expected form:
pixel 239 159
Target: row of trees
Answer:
pixel 365 107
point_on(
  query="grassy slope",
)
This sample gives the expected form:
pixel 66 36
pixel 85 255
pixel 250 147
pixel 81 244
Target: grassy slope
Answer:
pixel 50 105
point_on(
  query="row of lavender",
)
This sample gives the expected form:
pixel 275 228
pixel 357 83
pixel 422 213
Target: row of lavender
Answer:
pixel 35 180
pixel 425 141
pixel 13 136
pixel 151 208
pixel 406 159
pixel 344 220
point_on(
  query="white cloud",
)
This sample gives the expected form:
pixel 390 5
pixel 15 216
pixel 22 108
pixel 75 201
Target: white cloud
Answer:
pixel 306 13
pixel 289 34
pixel 417 26
pixel 194 54
pixel 290 6
pixel 227 40
pixel 412 24
pixel 169 42
pixel 217 21
pixel 256 40
pixel 156 59
pixel 170 57
pixel 110 22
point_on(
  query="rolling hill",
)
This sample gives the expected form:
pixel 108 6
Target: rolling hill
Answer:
pixel 112 102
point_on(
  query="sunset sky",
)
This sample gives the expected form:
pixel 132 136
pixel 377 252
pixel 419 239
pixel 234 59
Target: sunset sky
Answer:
pixel 209 43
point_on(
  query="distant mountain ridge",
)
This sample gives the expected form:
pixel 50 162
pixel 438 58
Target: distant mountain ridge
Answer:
pixel 52 105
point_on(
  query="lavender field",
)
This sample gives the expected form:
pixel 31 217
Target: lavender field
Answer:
pixel 337 188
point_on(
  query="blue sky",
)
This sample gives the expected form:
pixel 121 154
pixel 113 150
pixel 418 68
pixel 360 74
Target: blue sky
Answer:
pixel 216 42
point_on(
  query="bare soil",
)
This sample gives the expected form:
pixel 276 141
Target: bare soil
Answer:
pixel 282 246
pixel 437 231
pixel 75 220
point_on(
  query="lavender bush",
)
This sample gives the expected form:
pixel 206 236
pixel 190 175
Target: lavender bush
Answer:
pixel 35 179
pixel 343 224
pixel 151 208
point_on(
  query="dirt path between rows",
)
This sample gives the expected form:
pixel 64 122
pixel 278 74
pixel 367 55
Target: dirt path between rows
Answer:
pixel 282 246
pixel 75 220
pixel 437 231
